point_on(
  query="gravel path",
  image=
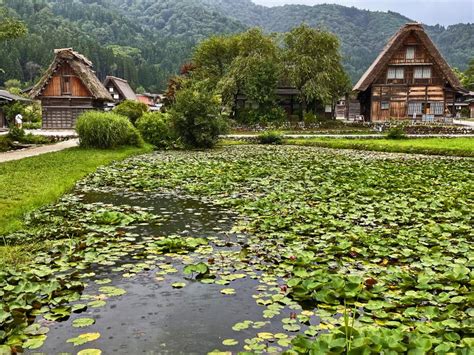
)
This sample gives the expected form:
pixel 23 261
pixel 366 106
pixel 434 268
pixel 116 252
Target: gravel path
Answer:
pixel 31 152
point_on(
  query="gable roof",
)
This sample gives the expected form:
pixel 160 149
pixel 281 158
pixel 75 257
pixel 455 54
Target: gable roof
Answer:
pixel 81 66
pixel 391 48
pixel 7 96
pixel 122 86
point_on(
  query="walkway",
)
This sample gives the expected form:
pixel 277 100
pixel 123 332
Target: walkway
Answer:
pixel 32 152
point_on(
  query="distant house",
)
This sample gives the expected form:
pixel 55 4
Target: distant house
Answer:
pixel 410 79
pixel 287 98
pixel 154 101
pixel 67 89
pixel 5 99
pixel 119 89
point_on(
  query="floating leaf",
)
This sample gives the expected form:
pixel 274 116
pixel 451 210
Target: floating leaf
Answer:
pixel 228 291
pixel 34 342
pixel 82 322
pixel 178 285
pixel 112 291
pixel 84 338
pixel 90 352
pixel 230 342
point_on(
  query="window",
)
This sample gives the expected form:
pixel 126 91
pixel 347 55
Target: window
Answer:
pixel 422 73
pixel 384 105
pixel 395 73
pixel 116 97
pixel 415 108
pixel 410 53
pixel 437 107
pixel 66 85
pixel 111 89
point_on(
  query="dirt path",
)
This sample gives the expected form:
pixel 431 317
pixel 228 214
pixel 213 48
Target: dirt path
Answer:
pixel 26 153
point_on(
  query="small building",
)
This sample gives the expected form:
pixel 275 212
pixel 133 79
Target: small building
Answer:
pixel 410 79
pixel 67 89
pixel 5 99
pixel 119 89
pixel 153 101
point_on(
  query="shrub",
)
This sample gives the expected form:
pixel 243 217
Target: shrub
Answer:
pixel 196 118
pixel 131 109
pixel 271 137
pixel 396 133
pixel 106 130
pixel 156 129
pixel 274 115
pixel 5 143
pixel 16 134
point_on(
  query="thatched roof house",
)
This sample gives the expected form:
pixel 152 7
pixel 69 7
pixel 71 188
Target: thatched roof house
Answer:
pixel 119 89
pixel 409 79
pixel 68 88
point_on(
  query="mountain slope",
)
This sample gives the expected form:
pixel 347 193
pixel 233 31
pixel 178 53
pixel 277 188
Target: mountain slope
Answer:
pixel 145 41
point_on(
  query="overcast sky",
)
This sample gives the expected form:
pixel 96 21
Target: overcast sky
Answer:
pixel 431 12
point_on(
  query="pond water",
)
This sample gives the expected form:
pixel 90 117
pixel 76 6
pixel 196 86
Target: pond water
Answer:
pixel 153 317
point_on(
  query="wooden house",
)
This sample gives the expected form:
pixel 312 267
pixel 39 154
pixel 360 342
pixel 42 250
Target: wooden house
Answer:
pixel 119 89
pixel 7 98
pixel 67 89
pixel 410 79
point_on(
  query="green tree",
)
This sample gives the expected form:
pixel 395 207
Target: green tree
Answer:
pixel 312 61
pixel 196 117
pixel 10 28
pixel 468 81
pixel 131 109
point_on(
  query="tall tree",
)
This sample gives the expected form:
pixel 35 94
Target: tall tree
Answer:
pixel 469 76
pixel 313 61
pixel 10 28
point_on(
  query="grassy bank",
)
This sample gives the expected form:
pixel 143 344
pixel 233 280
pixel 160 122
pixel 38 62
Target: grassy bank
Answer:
pixel 33 182
pixel 463 147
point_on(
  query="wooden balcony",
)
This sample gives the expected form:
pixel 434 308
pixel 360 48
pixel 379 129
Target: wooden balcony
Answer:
pixel 414 61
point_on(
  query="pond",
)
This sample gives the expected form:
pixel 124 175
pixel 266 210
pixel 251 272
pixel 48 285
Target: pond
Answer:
pixel 251 248
pixel 153 315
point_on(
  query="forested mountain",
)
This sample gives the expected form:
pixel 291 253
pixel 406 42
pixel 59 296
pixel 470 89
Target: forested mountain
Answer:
pixel 147 40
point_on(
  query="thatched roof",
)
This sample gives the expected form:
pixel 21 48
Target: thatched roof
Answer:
pixel 81 66
pixel 122 86
pixel 394 45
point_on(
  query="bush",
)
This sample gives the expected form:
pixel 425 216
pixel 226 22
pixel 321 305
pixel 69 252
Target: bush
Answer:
pixel 5 144
pixel 156 129
pixel 396 133
pixel 262 116
pixel 106 130
pixel 196 118
pixel 271 137
pixel 131 109
pixel 16 134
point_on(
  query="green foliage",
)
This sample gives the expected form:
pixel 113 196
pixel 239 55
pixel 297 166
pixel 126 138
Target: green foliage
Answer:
pixel 31 112
pixel 16 133
pixel 131 109
pixel 106 130
pixel 10 28
pixel 145 42
pixel 196 118
pixel 396 133
pixel 156 128
pixel 468 76
pixel 270 137
pixel 314 67
pixel 5 143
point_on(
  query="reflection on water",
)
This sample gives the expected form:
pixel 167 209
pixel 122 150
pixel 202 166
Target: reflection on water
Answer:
pixel 153 317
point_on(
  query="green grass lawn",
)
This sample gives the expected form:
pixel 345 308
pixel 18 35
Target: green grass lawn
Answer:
pixel 433 146
pixel 33 182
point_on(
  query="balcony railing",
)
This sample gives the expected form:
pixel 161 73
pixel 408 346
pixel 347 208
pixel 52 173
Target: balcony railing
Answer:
pixel 414 61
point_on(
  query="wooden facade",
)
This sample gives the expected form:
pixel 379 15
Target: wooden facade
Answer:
pixel 68 89
pixel 409 80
